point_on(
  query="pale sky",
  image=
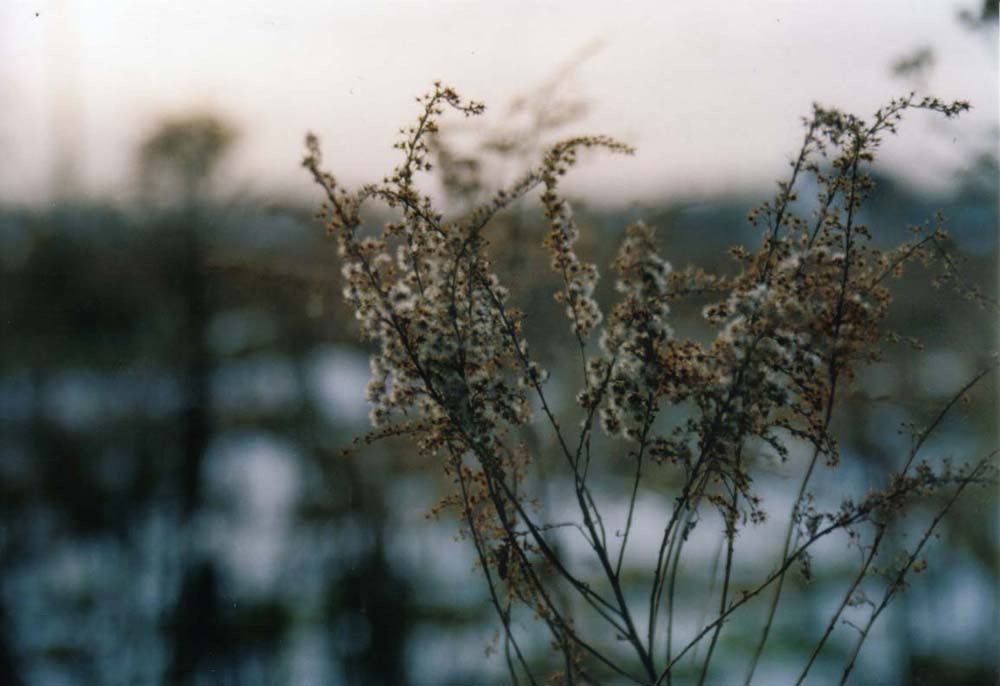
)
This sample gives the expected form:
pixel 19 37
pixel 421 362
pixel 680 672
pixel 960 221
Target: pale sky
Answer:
pixel 710 92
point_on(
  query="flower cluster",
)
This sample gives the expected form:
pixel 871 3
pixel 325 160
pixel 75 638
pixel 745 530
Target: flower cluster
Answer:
pixel 638 361
pixel 579 278
pixel 422 291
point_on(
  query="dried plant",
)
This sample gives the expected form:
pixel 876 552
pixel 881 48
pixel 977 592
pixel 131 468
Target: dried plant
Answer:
pixel 453 370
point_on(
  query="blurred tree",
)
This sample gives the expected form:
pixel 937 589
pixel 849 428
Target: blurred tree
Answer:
pixel 176 166
pixel 370 600
pixel 176 162
pixel 983 18
pixel 199 639
pixel 10 674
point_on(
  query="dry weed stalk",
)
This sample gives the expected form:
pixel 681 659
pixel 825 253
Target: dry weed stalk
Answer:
pixel 452 369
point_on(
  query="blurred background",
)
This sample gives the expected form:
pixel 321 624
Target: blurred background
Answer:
pixel 178 376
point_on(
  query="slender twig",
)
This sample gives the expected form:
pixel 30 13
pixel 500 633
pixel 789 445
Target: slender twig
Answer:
pixel 647 422
pixel 848 595
pixel 897 583
pixel 494 598
pixel 730 519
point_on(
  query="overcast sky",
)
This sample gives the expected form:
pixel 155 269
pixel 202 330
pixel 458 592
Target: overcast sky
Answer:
pixel 710 92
